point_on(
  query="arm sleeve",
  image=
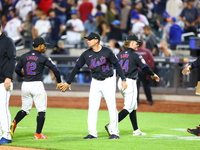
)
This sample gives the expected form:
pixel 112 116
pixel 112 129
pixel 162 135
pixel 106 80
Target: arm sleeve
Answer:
pixel 147 70
pixel 72 74
pixel 196 63
pixel 11 59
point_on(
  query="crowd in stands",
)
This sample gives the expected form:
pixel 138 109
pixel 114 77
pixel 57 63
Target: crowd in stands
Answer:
pixel 153 21
pixel 71 20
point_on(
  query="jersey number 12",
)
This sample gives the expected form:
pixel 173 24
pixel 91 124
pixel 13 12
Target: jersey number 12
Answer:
pixel 30 67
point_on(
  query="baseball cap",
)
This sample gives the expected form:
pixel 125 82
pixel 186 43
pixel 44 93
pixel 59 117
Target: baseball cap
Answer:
pixel 39 41
pixel 133 12
pixel 132 37
pixel 116 22
pixel 135 17
pixel 93 35
pixel 190 1
pixel 98 14
pixel 90 17
pixel 73 12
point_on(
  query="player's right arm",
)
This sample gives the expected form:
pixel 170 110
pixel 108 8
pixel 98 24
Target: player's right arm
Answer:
pixel 18 68
pixel 189 67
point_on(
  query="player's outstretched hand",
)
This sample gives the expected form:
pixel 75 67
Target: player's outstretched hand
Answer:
pixel 155 77
pixel 65 87
pixel 124 85
pixel 59 85
pixel 186 70
pixel 7 83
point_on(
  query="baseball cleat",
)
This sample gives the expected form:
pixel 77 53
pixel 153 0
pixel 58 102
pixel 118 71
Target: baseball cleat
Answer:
pixel 194 131
pixel 40 136
pixel 89 136
pixel 138 132
pixel 107 129
pixel 4 141
pixel 12 128
pixel 113 136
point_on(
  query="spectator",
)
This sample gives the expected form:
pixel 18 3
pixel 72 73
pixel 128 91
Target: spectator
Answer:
pixel 13 27
pixel 175 33
pixel 137 27
pixel 71 5
pixel 24 7
pixel 101 26
pixel 162 50
pixel 190 17
pixel 37 16
pixel 150 38
pixel 61 65
pixel 60 9
pixel 174 7
pixel 75 28
pixel 84 9
pixel 112 44
pixel 56 28
pixel 6 4
pixel 43 27
pixel 145 78
pixel 115 31
pixel 45 5
pixel 101 6
pixel 26 30
pixel 159 8
pixel 142 18
pixel 112 13
pixel 4 20
pixel 124 15
pixel 90 25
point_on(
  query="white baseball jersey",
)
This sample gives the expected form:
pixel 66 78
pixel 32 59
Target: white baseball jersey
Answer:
pixel 24 7
pixel 42 26
pixel 75 37
pixel 12 28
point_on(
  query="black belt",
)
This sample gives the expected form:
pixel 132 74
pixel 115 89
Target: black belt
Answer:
pixel 104 78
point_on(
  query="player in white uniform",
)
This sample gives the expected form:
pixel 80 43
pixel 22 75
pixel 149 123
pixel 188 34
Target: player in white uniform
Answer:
pixel 101 61
pixel 7 65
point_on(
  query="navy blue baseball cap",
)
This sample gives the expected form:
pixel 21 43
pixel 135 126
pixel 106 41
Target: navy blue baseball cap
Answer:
pixel 98 14
pixel 133 37
pixel 39 41
pixel 93 35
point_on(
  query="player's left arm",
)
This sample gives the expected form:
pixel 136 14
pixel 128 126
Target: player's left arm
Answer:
pixel 146 69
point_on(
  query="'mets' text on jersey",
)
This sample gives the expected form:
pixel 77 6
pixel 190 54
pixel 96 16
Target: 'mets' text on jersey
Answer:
pixel 33 64
pixel 130 61
pixel 100 62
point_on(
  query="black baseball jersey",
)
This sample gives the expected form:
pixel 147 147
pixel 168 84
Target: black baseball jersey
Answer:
pixel 100 63
pixel 130 61
pixel 33 64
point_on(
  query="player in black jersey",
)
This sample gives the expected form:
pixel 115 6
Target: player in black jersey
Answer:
pixel 100 60
pixel 32 63
pixel 130 61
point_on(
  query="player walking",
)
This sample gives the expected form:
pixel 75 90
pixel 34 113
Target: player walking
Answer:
pixel 130 61
pixel 7 65
pixel 32 63
pixel 100 60
pixel 187 70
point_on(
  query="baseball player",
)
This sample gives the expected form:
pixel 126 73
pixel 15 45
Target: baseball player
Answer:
pixel 130 61
pixel 32 63
pixel 7 65
pixel 100 60
pixel 187 70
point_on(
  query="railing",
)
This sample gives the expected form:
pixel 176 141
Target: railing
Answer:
pixel 169 70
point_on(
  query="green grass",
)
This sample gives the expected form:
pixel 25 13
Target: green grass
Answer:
pixel 67 127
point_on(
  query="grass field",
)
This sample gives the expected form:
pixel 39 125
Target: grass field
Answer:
pixel 67 127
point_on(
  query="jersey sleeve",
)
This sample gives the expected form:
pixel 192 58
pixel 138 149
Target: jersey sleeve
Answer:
pixel 196 63
pixel 49 63
pixel 18 67
pixel 140 61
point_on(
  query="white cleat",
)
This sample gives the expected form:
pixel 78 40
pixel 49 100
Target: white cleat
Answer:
pixel 138 132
